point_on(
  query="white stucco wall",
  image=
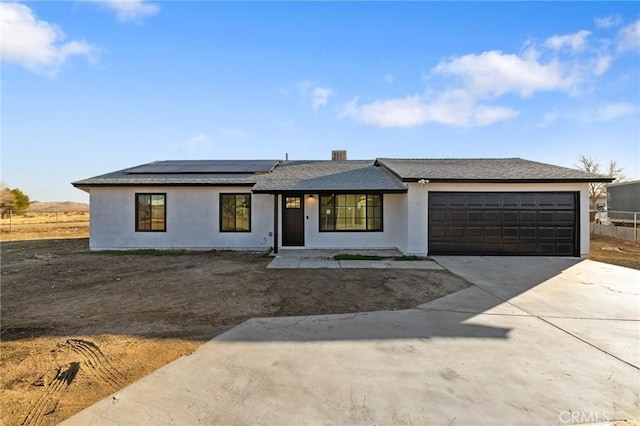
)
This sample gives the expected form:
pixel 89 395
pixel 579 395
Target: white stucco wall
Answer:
pixel 193 220
pixel 394 220
pixel 582 188
pixel 416 230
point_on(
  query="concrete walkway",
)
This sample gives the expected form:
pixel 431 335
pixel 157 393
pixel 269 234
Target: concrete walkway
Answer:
pixel 535 341
pixel 321 259
pixel 282 262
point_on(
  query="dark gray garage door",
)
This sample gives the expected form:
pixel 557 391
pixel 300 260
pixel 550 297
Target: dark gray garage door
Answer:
pixel 523 223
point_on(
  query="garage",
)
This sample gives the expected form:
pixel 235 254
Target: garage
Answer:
pixel 503 223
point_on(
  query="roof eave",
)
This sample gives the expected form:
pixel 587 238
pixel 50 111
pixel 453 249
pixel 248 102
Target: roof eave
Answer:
pixel 631 182
pixel 81 185
pixel 330 191
pixel 531 180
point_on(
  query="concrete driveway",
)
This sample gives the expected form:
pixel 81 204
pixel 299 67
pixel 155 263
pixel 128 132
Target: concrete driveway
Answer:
pixel 535 341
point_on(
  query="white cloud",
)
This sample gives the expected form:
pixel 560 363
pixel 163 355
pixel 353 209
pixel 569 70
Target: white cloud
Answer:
pixel 35 44
pixel 476 78
pixel 196 142
pixel 575 41
pixel 611 111
pixel 452 108
pixel 473 80
pixel 311 92
pixel 318 96
pixel 466 90
pixel 405 112
pixel 495 73
pixel 601 64
pixel 608 21
pixel 483 115
pixel 629 38
pixel 130 10
pixel 389 78
pixel 459 107
pixel 321 97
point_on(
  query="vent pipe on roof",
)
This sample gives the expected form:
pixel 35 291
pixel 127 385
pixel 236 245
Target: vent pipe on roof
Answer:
pixel 339 155
pixel 286 156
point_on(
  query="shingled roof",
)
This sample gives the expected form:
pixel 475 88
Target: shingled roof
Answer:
pixel 484 170
pixel 328 176
pixel 315 176
pixel 185 172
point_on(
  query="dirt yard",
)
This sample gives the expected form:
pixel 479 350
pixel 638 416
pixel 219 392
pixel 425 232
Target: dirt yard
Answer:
pixel 77 326
pixel 615 251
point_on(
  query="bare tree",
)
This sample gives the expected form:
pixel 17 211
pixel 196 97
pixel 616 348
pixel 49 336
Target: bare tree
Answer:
pixel 599 189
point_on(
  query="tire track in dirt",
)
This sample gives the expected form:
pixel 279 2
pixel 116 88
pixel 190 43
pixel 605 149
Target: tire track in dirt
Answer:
pixel 96 363
pixel 48 401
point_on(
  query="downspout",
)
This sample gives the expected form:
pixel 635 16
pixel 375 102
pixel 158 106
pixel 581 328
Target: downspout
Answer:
pixel 275 223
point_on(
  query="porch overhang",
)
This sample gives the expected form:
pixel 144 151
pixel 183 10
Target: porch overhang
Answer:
pixel 328 191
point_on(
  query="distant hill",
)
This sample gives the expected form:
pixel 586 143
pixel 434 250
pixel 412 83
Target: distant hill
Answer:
pixel 60 206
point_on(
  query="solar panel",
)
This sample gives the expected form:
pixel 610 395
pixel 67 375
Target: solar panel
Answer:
pixel 205 166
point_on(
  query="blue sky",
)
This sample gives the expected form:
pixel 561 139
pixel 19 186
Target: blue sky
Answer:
pixel 89 87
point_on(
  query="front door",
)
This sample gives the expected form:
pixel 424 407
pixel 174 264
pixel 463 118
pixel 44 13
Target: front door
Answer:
pixel 292 220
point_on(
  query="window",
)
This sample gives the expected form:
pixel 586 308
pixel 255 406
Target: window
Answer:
pixel 151 213
pixel 292 202
pixel 235 212
pixel 351 212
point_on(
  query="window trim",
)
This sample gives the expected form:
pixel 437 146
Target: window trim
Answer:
pixel 366 213
pixel 137 211
pixel 220 204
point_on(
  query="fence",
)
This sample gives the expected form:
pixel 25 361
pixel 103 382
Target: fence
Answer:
pixel 52 219
pixel 617 224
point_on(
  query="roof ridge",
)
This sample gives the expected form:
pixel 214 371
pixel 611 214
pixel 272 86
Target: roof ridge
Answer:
pixel 329 161
pixel 214 159
pixel 452 158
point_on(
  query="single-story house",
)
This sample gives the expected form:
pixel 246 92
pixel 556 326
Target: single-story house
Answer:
pixel 503 206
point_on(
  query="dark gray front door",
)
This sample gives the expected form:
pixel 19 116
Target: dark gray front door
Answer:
pixel 506 223
pixel 292 220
